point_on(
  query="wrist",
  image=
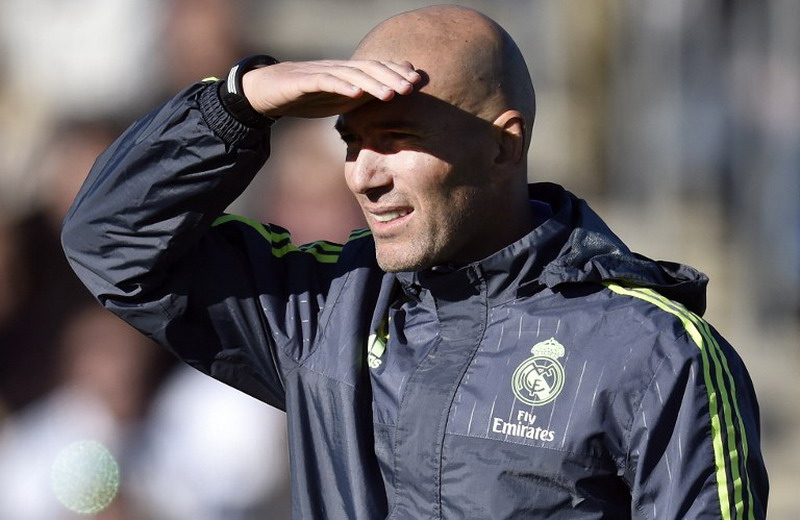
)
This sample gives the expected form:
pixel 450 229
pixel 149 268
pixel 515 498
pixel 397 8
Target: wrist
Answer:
pixel 232 92
pixel 252 82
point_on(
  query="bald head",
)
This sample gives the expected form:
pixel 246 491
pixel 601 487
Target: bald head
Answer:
pixel 440 172
pixel 471 61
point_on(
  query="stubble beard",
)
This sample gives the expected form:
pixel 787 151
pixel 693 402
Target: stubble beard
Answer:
pixel 436 245
pixel 410 259
pixel 419 252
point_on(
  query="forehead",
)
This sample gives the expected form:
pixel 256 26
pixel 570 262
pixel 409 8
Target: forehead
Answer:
pixel 420 111
pixel 400 111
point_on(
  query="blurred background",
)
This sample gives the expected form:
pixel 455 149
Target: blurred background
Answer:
pixel 678 120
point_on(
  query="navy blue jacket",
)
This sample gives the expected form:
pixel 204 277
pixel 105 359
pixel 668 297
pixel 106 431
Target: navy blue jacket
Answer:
pixel 561 377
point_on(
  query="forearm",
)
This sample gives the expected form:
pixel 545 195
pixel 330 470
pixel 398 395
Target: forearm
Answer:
pixel 140 233
pixel 155 191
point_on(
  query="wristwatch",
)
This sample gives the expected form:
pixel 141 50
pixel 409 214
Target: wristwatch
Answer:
pixel 231 93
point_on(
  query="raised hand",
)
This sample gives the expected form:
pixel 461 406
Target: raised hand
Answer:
pixel 325 88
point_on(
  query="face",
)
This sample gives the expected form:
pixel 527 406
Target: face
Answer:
pixel 419 169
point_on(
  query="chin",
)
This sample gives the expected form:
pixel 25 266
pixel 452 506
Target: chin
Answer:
pixel 403 257
pixel 392 265
pixel 395 263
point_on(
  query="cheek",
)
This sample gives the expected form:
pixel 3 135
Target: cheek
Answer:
pixel 422 175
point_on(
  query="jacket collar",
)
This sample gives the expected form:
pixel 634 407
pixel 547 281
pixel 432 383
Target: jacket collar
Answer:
pixel 573 245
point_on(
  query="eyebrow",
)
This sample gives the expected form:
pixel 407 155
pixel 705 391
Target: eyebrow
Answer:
pixel 409 124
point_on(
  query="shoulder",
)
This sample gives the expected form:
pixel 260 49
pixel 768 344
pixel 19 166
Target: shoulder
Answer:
pixel 680 349
pixel 650 313
pixel 654 341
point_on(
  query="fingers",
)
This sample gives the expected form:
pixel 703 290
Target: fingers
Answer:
pixel 404 69
pixel 381 80
pixel 318 88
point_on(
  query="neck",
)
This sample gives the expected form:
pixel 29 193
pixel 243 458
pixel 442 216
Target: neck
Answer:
pixel 520 216
pixel 519 222
pixel 511 218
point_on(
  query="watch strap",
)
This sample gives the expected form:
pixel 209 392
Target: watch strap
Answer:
pixel 231 92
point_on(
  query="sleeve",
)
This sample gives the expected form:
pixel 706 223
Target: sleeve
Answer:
pixel 695 440
pixel 146 236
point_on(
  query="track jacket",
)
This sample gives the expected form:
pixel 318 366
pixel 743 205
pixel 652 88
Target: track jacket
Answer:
pixel 562 377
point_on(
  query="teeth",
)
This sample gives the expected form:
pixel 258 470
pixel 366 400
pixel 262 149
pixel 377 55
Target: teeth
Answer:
pixel 386 217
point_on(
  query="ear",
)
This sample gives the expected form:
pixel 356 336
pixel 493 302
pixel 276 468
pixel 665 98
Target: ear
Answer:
pixel 510 126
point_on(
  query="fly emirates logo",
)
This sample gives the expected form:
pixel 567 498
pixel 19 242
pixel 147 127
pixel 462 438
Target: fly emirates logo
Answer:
pixel 524 427
pixel 537 381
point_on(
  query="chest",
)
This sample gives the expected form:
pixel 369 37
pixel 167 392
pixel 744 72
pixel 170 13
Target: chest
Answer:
pixel 521 394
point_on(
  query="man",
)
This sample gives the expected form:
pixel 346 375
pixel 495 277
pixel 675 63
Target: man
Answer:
pixel 485 350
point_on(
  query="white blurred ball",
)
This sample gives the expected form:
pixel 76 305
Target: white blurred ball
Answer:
pixel 85 477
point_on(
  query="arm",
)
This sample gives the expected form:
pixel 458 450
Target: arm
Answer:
pixel 695 441
pixel 140 232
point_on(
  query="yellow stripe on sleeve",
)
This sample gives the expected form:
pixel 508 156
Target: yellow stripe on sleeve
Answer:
pixel 700 333
pixel 322 251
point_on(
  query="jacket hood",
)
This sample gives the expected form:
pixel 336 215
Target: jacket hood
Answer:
pixel 593 253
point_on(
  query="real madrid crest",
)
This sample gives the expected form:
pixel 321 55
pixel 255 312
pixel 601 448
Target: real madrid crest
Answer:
pixel 539 379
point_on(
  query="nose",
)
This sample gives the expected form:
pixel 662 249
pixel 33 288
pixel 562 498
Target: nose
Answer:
pixel 367 173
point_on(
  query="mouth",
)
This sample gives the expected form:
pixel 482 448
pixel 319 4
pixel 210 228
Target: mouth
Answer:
pixel 389 216
pixel 386 220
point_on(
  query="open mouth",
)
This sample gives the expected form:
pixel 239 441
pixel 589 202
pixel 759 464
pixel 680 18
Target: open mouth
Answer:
pixel 389 216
